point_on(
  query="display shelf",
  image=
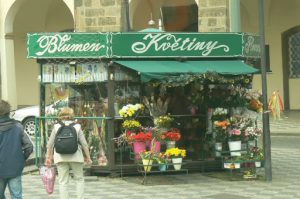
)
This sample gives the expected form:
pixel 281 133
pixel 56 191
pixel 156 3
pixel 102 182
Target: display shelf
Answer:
pixel 155 170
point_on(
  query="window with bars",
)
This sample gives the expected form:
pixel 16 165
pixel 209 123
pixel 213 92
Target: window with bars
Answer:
pixel 294 55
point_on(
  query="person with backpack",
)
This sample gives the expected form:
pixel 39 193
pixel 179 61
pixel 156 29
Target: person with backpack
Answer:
pixel 66 146
pixel 15 149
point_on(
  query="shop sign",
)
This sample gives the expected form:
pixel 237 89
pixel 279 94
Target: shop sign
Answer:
pixel 251 45
pixel 65 45
pixel 177 45
pixel 141 45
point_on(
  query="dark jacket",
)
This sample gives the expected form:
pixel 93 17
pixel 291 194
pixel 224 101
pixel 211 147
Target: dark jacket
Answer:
pixel 15 147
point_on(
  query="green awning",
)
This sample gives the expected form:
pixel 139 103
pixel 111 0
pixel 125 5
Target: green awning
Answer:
pixel 153 69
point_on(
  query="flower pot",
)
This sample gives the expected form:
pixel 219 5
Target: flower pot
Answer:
pixel 171 144
pixel 163 167
pixel 257 164
pixel 177 162
pixel 155 146
pixel 235 147
pixel 138 147
pixel 218 148
pixel 251 144
pixel 147 163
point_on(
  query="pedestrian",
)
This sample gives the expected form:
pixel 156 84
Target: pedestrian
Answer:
pixel 65 162
pixel 15 148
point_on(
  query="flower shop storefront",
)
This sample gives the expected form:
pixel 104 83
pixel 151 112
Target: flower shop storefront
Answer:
pixel 146 94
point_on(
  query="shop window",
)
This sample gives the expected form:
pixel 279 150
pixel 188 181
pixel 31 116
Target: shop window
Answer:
pixel 294 55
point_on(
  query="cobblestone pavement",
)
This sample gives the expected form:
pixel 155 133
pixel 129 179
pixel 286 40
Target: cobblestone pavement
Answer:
pixel 214 185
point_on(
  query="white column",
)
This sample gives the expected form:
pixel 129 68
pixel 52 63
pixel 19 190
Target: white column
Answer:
pixel 235 16
pixel 8 74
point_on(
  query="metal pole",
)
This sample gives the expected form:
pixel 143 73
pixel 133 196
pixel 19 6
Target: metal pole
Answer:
pixel 266 124
pixel 128 26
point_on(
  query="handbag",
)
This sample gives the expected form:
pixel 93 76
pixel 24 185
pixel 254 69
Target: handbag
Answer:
pixel 48 175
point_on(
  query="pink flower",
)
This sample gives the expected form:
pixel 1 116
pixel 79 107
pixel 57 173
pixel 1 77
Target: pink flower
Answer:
pixel 235 132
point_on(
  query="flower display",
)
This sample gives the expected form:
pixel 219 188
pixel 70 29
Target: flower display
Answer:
pixel 256 153
pixel 221 128
pixel 252 132
pixel 235 134
pixel 130 110
pixel 219 114
pixel 238 125
pixel 162 158
pixel 131 125
pixel 163 121
pixel 172 135
pixel 175 153
pixel 147 154
pixel 139 137
pixel 254 101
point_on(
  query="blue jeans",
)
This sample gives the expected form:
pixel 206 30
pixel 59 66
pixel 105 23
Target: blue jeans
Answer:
pixel 14 186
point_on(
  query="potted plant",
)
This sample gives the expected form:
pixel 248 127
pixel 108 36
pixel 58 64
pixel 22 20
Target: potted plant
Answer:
pixel 138 141
pixel 131 111
pixel 176 156
pixel 163 160
pixel 257 155
pixel 163 122
pixel 219 114
pixel 171 137
pixel 233 162
pixel 147 159
pixel 221 135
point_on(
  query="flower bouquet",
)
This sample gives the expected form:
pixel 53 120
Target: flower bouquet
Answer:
pixel 140 137
pixel 176 155
pixel 163 160
pixel 147 159
pixel 221 130
pixel 256 154
pixel 131 125
pixel 130 111
pixel 219 114
pixel 252 133
pixel 172 135
pixel 163 121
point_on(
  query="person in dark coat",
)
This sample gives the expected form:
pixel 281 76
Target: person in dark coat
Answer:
pixel 15 148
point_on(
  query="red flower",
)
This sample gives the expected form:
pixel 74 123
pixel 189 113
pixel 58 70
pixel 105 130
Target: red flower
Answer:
pixel 140 137
pixel 172 135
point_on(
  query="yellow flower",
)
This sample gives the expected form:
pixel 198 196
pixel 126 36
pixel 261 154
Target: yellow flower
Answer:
pixel 176 152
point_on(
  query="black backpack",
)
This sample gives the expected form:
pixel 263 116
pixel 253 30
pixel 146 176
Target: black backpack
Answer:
pixel 66 141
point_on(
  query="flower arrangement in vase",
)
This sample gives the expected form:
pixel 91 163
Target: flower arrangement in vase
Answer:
pixel 140 137
pixel 164 121
pixel 176 153
pixel 131 125
pixel 130 111
pixel 172 135
pixel 253 132
pixel 176 156
pixel 163 160
pixel 147 159
pixel 221 128
pixel 219 114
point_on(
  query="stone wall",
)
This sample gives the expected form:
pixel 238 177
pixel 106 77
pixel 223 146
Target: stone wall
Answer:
pixel 213 16
pixel 100 15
